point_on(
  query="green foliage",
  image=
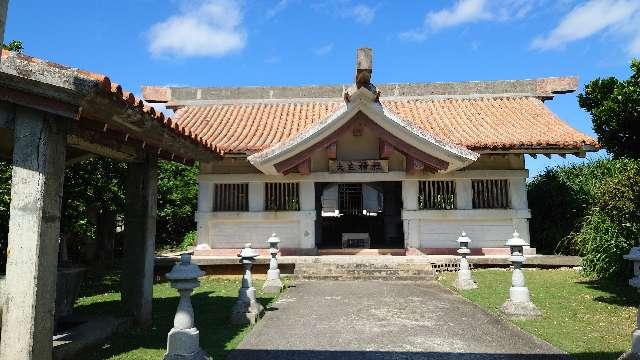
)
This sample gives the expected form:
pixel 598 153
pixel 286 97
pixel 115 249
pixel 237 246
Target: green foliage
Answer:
pixel 14 45
pixel 591 210
pixel 612 225
pixel 90 187
pixel 188 240
pixel 615 108
pixel 177 202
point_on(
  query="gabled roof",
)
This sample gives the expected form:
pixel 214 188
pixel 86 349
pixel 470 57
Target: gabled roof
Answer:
pixel 446 156
pixel 478 123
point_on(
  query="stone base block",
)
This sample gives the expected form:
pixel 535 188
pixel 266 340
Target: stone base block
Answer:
pixel 184 344
pixel 273 284
pixel 520 310
pixel 246 312
pixel 465 284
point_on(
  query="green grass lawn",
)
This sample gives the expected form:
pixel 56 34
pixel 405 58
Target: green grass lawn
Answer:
pixel 212 303
pixel 587 319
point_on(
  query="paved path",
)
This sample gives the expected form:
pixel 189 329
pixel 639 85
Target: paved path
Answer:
pixel 384 320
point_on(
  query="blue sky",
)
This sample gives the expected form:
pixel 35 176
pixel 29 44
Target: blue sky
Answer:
pixel 289 42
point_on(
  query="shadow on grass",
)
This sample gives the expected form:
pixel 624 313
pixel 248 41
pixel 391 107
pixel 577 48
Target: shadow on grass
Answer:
pixel 212 320
pixel 620 293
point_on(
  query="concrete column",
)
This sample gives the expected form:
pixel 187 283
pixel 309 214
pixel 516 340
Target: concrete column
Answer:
pixel 139 239
pixel 34 229
pixel 410 194
pixel 256 196
pixel 205 196
pixel 205 206
pixel 307 196
pixel 518 193
pixel 464 194
pixel 4 4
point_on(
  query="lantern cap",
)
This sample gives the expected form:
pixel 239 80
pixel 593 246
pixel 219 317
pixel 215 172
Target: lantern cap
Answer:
pixel 248 252
pixel 184 270
pixel 516 240
pixel 463 238
pixel 634 254
pixel 273 239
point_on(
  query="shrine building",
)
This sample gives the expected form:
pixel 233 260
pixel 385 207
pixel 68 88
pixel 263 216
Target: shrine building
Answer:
pixel 402 168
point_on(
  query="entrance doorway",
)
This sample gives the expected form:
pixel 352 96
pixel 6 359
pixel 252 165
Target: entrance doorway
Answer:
pixel 359 215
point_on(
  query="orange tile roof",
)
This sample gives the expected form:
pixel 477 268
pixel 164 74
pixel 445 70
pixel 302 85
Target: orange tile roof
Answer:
pixel 106 87
pixel 477 123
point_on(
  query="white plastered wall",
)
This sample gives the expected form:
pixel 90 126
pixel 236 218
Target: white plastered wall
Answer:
pixel 231 230
pixel 487 228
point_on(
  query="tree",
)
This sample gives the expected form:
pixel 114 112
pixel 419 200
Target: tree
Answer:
pixel 14 45
pixel 615 109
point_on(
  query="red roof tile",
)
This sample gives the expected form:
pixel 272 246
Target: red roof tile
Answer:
pixel 477 123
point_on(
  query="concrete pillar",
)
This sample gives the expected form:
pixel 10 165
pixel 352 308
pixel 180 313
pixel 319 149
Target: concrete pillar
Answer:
pixel 464 194
pixel 139 239
pixel 205 196
pixel 205 206
pixel 410 194
pixel 518 193
pixel 4 4
pixel 307 196
pixel 256 196
pixel 34 229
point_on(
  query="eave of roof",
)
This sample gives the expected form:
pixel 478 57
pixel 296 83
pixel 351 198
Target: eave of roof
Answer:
pixel 79 94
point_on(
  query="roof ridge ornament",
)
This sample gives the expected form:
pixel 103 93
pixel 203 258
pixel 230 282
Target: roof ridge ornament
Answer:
pixel 364 71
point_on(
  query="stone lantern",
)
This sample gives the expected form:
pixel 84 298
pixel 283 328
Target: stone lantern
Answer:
pixel 183 341
pixel 273 284
pixel 519 305
pixel 246 309
pixel 464 280
pixel 634 255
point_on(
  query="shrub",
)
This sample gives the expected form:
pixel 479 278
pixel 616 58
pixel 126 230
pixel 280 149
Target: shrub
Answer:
pixel 591 210
pixel 189 240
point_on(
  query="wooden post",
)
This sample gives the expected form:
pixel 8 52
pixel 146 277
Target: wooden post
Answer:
pixel 139 239
pixel 34 229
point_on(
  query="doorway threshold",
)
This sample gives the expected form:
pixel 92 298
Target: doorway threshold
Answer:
pixel 365 252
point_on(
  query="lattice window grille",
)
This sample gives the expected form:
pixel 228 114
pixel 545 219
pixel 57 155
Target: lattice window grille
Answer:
pixel 490 193
pixel 437 195
pixel 230 197
pixel 282 196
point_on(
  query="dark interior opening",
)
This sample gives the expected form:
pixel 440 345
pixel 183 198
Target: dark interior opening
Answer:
pixel 374 208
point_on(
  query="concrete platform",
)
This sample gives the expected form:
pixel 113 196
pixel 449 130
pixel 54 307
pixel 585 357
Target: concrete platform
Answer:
pixel 542 261
pixel 384 320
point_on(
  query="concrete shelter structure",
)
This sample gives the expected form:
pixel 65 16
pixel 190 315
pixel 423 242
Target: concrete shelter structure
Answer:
pixel 341 168
pixel 52 115
pixel 406 166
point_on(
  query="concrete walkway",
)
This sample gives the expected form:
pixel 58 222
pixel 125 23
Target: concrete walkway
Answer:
pixel 384 320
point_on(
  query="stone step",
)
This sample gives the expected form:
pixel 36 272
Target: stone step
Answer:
pixel 372 271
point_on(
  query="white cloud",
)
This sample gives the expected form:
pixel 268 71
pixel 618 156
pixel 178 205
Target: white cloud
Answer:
pixel 279 7
pixel 592 17
pixel 323 50
pixel 470 11
pixel 363 14
pixel 463 12
pixel 211 28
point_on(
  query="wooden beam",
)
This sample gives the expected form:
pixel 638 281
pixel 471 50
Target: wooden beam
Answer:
pixel 332 151
pixel 45 104
pixel 304 168
pixel 112 152
pixel 386 150
pixel 360 118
